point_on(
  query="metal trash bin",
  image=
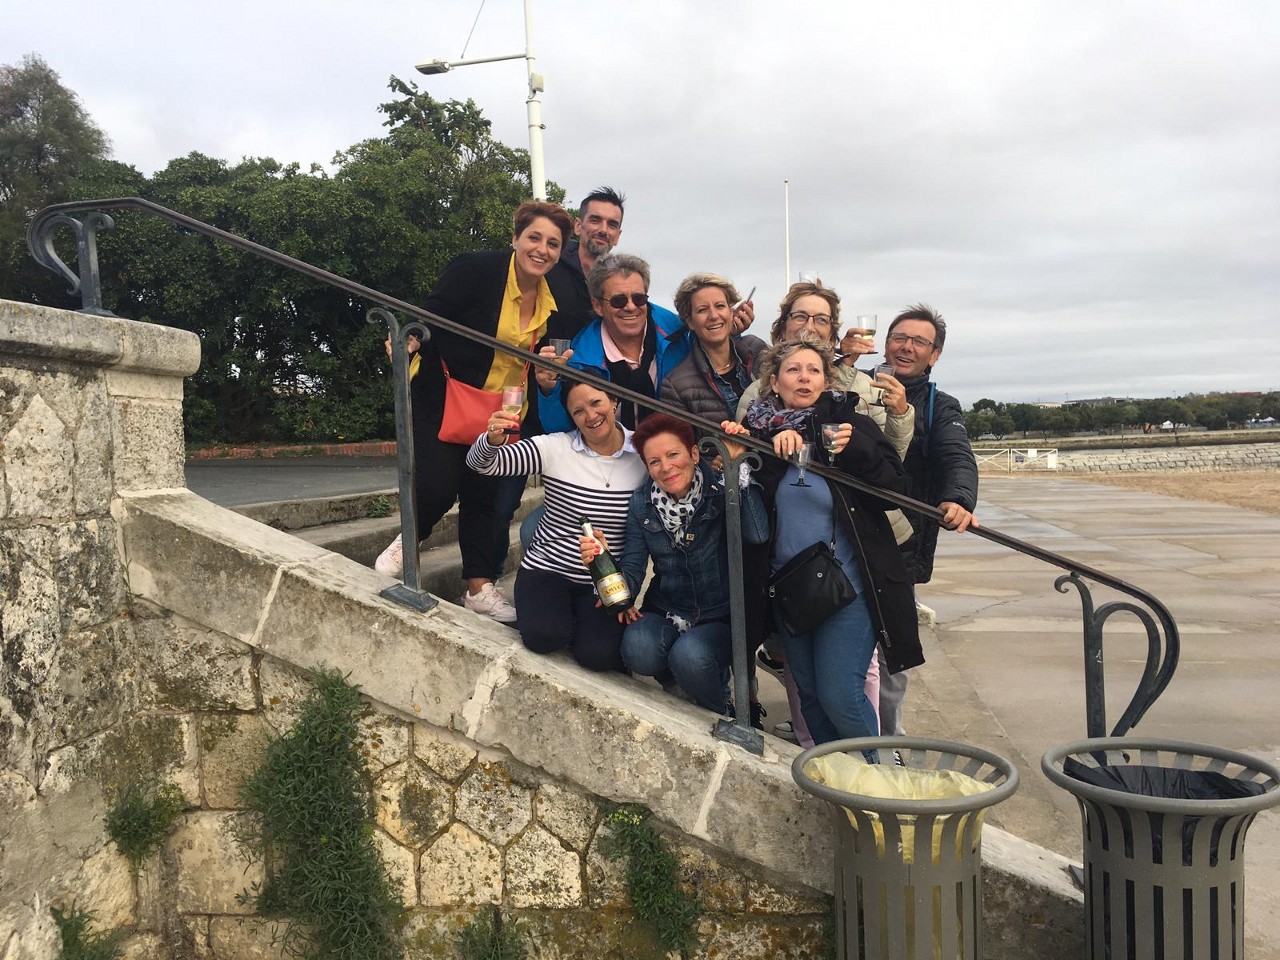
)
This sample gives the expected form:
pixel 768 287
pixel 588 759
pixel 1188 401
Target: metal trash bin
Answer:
pixel 917 898
pixel 1164 876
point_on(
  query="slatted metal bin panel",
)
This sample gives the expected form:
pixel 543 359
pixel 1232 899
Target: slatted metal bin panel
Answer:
pixel 908 874
pixel 1164 878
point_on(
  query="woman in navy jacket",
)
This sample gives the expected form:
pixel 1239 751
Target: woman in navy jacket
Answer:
pixel 678 521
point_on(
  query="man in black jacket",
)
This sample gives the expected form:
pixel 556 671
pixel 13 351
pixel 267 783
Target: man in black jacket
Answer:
pixel 596 231
pixel 940 460
pixel 940 463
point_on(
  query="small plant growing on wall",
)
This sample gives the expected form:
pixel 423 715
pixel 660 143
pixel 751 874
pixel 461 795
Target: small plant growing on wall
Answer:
pixel 489 937
pixel 379 507
pixel 79 941
pixel 141 817
pixel 309 818
pixel 669 911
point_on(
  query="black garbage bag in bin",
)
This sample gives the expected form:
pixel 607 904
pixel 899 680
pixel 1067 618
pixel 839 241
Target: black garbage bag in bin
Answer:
pixel 1174 783
pixel 1147 894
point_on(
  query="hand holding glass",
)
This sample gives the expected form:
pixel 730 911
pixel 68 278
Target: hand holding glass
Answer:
pixel 560 345
pixel 883 370
pixel 831 437
pixel 512 403
pixel 802 458
pixel 864 325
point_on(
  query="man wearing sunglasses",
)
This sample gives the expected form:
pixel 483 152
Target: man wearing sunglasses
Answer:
pixel 630 342
pixel 939 461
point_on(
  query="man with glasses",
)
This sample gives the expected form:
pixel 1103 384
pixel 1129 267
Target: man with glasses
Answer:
pixel 630 342
pixel 939 461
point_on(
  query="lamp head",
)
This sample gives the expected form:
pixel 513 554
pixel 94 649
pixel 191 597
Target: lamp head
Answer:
pixel 433 67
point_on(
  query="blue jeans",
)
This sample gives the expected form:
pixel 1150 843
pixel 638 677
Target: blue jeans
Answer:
pixel 830 664
pixel 699 657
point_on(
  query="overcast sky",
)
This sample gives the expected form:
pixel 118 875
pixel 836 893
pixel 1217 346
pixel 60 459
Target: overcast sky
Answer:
pixel 1088 191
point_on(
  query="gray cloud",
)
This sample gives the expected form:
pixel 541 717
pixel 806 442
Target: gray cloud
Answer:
pixel 1088 191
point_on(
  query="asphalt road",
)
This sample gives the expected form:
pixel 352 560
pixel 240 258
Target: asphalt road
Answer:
pixel 230 483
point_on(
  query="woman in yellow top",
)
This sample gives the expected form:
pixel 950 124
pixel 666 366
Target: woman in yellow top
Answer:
pixel 503 293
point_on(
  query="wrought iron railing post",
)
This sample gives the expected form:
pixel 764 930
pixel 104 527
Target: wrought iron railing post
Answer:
pixel 89 281
pixel 409 592
pixel 1156 674
pixel 739 729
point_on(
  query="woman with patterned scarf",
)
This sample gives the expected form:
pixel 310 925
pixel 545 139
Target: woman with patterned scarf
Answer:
pixel 678 521
pixel 830 661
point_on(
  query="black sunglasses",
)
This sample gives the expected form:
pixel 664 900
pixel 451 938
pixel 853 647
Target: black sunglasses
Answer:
pixel 619 300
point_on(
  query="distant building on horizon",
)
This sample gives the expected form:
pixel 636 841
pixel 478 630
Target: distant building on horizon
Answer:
pixel 1096 402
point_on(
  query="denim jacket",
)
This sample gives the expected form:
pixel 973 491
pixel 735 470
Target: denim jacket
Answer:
pixel 690 578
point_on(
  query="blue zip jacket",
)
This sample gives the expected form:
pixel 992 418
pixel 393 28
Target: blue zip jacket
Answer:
pixel 690 578
pixel 588 354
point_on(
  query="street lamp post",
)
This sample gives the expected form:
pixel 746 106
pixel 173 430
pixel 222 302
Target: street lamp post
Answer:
pixel 537 166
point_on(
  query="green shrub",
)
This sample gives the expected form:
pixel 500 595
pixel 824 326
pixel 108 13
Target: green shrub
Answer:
pixel 379 507
pixel 309 819
pixel 140 819
pixel 487 937
pixel 81 943
pixel 669 911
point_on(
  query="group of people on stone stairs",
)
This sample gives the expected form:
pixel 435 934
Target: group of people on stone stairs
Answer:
pixel 654 501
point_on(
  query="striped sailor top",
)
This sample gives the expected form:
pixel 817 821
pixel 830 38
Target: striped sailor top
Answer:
pixel 577 482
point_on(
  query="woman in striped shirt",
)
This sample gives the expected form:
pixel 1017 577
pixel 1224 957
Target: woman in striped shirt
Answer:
pixel 589 471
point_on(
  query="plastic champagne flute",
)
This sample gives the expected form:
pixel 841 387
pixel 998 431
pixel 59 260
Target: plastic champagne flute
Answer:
pixel 512 403
pixel 830 437
pixel 883 370
pixel 802 458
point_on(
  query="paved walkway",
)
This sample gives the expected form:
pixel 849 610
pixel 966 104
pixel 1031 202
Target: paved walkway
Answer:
pixel 1006 670
pixel 232 482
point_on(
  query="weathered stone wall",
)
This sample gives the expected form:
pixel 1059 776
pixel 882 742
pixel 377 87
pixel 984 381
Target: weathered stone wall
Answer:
pixel 87 407
pixel 461 825
pixel 148 634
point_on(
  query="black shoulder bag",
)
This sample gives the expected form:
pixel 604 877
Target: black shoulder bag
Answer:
pixel 812 586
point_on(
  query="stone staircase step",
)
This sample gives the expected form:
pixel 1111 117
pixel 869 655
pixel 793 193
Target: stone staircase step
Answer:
pixel 294 515
pixel 440 562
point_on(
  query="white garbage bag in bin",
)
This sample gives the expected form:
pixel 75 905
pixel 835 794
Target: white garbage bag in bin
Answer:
pixel 842 771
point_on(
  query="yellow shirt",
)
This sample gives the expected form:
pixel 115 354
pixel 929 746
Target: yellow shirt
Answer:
pixel 507 370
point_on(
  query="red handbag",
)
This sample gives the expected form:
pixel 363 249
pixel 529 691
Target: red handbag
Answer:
pixel 467 409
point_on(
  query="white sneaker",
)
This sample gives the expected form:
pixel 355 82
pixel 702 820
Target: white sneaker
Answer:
pixel 490 603
pixel 390 561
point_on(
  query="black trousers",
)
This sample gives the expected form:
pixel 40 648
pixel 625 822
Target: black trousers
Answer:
pixel 554 612
pixel 444 479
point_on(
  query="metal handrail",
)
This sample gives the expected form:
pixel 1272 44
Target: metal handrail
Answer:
pixel 1162 655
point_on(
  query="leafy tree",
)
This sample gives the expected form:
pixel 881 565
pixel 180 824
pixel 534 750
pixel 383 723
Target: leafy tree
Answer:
pixel 284 357
pixel 46 139
pixel 1025 416
pixel 987 404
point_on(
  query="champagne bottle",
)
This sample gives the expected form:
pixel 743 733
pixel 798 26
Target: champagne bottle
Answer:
pixel 611 585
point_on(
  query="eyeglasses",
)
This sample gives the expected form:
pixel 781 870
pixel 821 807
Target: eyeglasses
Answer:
pixel 819 320
pixel 901 338
pixel 619 300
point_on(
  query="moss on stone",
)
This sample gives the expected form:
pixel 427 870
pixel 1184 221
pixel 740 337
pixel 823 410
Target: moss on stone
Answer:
pixel 139 751
pixel 420 811
pixel 185 691
pixel 215 726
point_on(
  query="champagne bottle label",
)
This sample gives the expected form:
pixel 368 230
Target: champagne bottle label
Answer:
pixel 613 590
